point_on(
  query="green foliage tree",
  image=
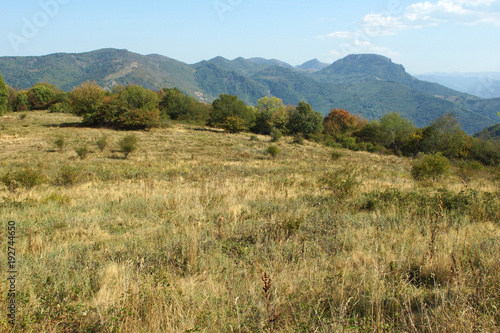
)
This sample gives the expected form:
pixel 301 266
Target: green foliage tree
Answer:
pixel 135 107
pixel 4 96
pixel 305 120
pixel 266 108
pixel 395 131
pixel 136 97
pixel 445 135
pixel 178 106
pixel 12 98
pixel 233 125
pixel 21 102
pixel 42 95
pixel 230 106
pixel 87 101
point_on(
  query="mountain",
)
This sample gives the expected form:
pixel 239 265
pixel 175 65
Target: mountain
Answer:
pixel 108 67
pixel 366 84
pixel 484 85
pixel 490 133
pixel 312 66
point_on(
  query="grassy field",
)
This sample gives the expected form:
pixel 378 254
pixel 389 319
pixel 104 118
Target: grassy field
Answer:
pixel 202 231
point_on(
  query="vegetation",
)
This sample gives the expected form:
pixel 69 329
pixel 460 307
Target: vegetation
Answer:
pixel 4 96
pixel 200 232
pixel 128 144
pixel 430 167
pixel 370 85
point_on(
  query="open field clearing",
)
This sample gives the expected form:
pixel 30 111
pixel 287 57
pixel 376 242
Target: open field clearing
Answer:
pixel 202 231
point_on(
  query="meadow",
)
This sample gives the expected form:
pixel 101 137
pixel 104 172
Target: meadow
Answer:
pixel 202 231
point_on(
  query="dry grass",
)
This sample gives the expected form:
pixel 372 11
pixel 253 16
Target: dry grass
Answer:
pixel 178 237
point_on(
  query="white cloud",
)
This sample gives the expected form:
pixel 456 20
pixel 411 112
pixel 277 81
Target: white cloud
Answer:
pixel 420 15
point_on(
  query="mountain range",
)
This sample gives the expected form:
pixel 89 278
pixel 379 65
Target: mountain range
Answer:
pixel 484 85
pixel 366 84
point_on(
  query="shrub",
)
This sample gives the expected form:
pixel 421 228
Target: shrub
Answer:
pixel 298 138
pixel 87 101
pixel 233 125
pixel 254 138
pixel 430 167
pixel 4 96
pixel 21 102
pixel 82 151
pixel 276 135
pixel 60 142
pixel 42 95
pixel 273 151
pixel 336 155
pixel 102 142
pixel 68 176
pixel 138 119
pixel 27 177
pixel 342 183
pixel 128 145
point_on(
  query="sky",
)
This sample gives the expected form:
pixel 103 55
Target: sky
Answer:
pixel 423 36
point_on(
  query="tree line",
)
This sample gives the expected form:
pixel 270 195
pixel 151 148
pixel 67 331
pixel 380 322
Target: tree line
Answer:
pixel 134 107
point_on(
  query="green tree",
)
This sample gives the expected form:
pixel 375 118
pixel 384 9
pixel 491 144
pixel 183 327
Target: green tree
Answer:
pixel 4 96
pixel 230 106
pixel 395 131
pixel 445 135
pixel 177 106
pixel 87 101
pixel 42 95
pixel 305 120
pixel 21 102
pixel 136 97
pixel 266 108
pixel 135 107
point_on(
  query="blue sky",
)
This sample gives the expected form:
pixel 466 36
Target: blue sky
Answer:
pixel 424 36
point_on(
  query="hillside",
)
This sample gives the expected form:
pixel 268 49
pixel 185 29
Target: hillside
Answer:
pixel 202 231
pixel 368 85
pixel 490 133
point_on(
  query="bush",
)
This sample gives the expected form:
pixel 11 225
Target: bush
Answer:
pixel 82 151
pixel 342 183
pixel 298 138
pixel 273 151
pixel 21 102
pixel 276 135
pixel 336 155
pixel 138 119
pixel 42 95
pixel 4 96
pixel 233 125
pixel 102 142
pixel 87 102
pixel 430 167
pixel 27 177
pixel 68 176
pixel 60 142
pixel 254 138
pixel 128 145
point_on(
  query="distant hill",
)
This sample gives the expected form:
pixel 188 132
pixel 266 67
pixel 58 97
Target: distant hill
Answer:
pixel 484 85
pixel 312 66
pixel 490 133
pixel 366 84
